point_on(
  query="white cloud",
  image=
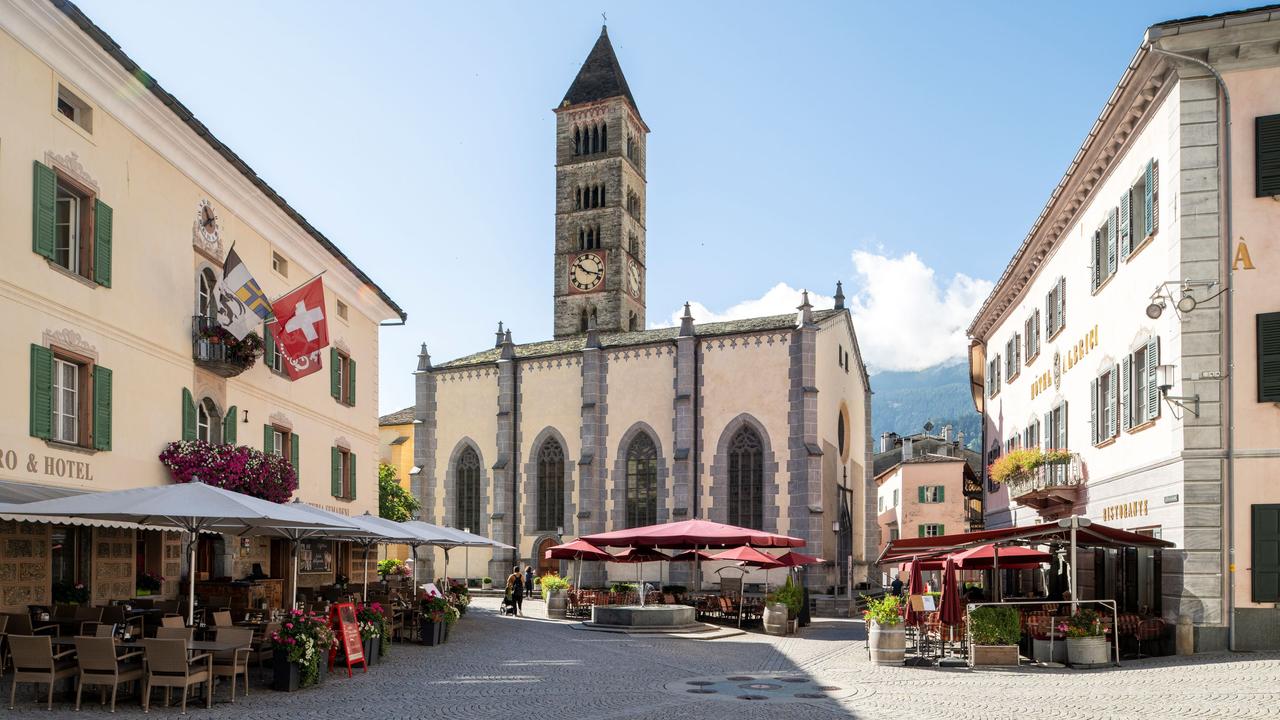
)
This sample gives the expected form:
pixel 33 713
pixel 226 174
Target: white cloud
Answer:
pixel 905 319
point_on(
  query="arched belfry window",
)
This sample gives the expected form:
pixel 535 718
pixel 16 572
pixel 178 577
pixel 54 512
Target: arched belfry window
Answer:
pixel 550 485
pixel 577 141
pixel 642 482
pixel 467 483
pixel 746 479
pixel 604 137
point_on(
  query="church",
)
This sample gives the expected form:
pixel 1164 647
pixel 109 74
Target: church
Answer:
pixel 611 424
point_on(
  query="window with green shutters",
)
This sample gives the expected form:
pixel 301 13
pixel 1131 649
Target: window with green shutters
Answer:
pixel 1269 357
pixel 1265 554
pixel 342 473
pixel 932 530
pixel 931 493
pixel 229 426
pixel 342 377
pixel 70 399
pixel 1267 163
pixel 71 227
pixel 271 356
pixel 188 415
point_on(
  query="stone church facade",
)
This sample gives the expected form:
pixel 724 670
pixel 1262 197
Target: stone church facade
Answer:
pixel 610 425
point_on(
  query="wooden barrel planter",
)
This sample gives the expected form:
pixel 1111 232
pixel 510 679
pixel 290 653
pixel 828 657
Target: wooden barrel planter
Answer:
pixel 888 643
pixel 775 619
pixel 556 604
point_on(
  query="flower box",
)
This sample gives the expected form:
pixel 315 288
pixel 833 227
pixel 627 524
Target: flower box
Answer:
pixel 430 632
pixel 995 655
pixel 1093 651
pixel 286 676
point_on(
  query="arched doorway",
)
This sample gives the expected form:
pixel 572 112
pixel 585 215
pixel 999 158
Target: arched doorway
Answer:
pixel 544 565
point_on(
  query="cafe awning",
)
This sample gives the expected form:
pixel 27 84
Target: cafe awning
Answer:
pixel 1088 534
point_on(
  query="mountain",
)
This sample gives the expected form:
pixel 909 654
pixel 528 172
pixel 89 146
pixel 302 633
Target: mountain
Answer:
pixel 903 402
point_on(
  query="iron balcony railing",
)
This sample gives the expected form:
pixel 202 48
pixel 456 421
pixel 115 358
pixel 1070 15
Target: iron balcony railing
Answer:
pixel 206 344
pixel 1063 474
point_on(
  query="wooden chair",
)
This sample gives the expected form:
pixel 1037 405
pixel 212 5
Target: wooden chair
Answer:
pixel 172 621
pixel 99 665
pixel 176 633
pixel 35 662
pixel 230 663
pixel 168 666
pixel 222 618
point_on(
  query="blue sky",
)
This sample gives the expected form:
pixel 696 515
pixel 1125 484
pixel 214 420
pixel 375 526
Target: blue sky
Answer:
pixel 904 149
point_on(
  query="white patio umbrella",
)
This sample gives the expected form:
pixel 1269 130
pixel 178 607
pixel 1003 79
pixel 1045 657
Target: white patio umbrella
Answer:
pixel 449 538
pixel 194 507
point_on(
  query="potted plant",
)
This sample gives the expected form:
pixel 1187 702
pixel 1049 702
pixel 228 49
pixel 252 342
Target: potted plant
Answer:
pixel 486 582
pixel 298 649
pixel 1087 644
pixel 232 467
pixel 148 583
pixel 995 632
pixel 373 628
pixel 451 616
pixel 554 589
pixel 69 593
pixel 885 634
pixel 390 566
pixel 431 621
pixel 782 609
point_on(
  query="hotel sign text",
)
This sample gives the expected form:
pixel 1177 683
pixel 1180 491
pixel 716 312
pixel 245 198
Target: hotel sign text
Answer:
pixel 1051 377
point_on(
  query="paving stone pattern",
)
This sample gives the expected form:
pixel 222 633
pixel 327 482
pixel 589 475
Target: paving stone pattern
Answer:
pixel 502 668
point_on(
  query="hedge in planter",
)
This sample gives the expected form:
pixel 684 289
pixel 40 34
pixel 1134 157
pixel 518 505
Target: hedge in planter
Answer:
pixel 995 632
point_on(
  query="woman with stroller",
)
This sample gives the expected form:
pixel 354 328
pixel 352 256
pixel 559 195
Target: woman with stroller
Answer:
pixel 515 589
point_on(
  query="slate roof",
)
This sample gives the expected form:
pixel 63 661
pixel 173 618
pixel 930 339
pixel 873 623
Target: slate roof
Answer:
pixel 548 348
pixel 600 76
pixel 399 417
pixel 924 448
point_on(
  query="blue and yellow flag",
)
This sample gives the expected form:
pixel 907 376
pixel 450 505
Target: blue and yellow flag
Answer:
pixel 242 306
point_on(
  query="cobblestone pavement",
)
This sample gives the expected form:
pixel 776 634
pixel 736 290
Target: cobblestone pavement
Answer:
pixel 499 667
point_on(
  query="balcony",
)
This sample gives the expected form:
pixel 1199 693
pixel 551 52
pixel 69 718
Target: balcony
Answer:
pixel 1052 488
pixel 216 350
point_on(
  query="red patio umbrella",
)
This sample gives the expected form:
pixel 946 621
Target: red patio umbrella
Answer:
pixel 692 556
pixel 915 586
pixel 577 550
pixel 1012 557
pixel 749 555
pixel 639 556
pixel 692 534
pixel 950 613
pixel 791 558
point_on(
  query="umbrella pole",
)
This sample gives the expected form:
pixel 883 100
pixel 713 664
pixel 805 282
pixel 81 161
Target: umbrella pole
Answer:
pixel 366 572
pixel 295 575
pixel 997 590
pixel 191 579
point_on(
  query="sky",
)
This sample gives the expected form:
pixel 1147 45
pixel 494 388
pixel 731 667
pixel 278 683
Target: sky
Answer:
pixel 904 149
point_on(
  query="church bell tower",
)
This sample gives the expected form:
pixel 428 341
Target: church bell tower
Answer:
pixel 600 201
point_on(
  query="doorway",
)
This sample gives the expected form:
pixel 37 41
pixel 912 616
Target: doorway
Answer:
pixel 544 565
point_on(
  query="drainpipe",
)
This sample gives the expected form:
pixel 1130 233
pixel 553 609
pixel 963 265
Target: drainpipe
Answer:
pixel 1229 479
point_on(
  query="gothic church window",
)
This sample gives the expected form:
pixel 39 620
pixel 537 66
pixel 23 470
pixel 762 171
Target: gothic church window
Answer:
pixel 746 479
pixel 467 482
pixel 642 482
pixel 550 485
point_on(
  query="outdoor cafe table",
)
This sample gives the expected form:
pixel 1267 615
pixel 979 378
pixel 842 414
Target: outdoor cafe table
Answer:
pixel 192 645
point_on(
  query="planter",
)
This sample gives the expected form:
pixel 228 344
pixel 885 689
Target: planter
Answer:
pixel 793 625
pixel 1040 650
pixel 430 632
pixel 371 647
pixel 444 633
pixel 286 676
pixel 556 603
pixel 487 584
pixel 775 619
pixel 995 655
pixel 888 643
pixel 1088 651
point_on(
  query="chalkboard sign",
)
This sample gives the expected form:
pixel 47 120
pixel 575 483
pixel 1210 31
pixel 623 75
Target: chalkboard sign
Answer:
pixel 343 618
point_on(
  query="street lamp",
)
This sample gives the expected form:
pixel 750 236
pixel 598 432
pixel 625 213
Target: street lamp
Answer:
pixel 1165 377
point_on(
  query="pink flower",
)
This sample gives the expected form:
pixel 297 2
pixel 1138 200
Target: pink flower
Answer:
pixel 288 626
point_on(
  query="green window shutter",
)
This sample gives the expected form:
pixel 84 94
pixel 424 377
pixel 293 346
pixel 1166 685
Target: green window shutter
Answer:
pixel 1126 240
pixel 102 217
pixel 921 528
pixel 942 529
pixel 268 346
pixel 1266 553
pixel 1062 302
pixel 41 392
pixel 188 415
pixel 920 493
pixel 44 211
pixel 351 476
pixel 1113 400
pixel 335 472
pixel 268 439
pixel 1126 392
pixel 942 493
pixel 1112 222
pixel 334 389
pixel 1269 357
pixel 101 408
pixel 1096 260
pixel 293 451
pixel 1266 129
pixel 1094 425
pixel 1153 392
pixel 229 426
pixel 1048 431
pixel 351 382
pixel 1148 199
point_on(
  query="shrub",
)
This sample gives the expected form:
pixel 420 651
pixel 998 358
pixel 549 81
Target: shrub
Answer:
pixel 991 625
pixel 552 583
pixel 1085 623
pixel 487 580
pixel 791 595
pixel 886 610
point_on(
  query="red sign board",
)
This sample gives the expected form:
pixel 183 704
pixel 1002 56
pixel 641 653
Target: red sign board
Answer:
pixel 342 617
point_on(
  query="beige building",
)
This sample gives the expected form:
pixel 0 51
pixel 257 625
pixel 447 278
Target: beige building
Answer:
pixel 611 425
pixel 118 209
pixel 395 448
pixel 1138 327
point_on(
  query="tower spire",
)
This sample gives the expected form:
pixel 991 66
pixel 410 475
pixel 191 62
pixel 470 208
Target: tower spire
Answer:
pixel 600 76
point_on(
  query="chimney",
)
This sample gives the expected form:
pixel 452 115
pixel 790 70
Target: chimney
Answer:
pixel 946 433
pixel 886 443
pixel 960 439
pixel 906 449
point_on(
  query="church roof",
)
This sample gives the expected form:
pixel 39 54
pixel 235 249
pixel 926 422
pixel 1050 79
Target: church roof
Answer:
pixel 600 77
pixel 565 346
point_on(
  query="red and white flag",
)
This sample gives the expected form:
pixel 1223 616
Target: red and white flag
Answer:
pixel 301 330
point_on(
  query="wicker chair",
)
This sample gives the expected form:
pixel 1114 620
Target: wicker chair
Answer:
pixel 172 621
pixel 176 633
pixel 260 648
pixel 168 666
pixel 222 618
pixel 99 665
pixel 230 663
pixel 35 662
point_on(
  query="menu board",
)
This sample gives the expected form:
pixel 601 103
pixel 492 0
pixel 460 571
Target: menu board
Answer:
pixel 343 617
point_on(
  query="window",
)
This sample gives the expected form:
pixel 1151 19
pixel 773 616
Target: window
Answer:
pixel 633 244
pixel 550 486
pixel 279 441
pixel 206 300
pixel 66 401
pixel 70 399
pixel 932 530
pixel 895 498
pixel 589 237
pixel 1055 437
pixel 1140 398
pixel 467 484
pixel 70 106
pixel 893 533
pixel 993 376
pixel 1140 210
pixel 71 550
pixel 880 504
pixel 1032 335
pixel 633 204
pixel 1055 308
pixel 342 309
pixel 841 432
pixel 279 264
pixel 71 227
pixel 271 356
pixel 1013 443
pixel 1013 357
pixel 342 473
pixel 633 322
pixel 1104 402
pixel 642 482
pixel 590 139
pixel 1266 135
pixel 1265 573
pixel 1103 263
pixel 932 493
pixel 208 422
pixel 1031 435
pixel 746 479
pixel 342 377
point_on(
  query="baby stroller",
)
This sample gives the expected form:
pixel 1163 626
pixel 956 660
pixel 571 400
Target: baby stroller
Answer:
pixel 508 605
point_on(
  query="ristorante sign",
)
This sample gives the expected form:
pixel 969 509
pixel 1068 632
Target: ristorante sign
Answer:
pixel 1062 363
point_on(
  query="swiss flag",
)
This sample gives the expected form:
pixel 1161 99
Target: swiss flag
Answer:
pixel 302 330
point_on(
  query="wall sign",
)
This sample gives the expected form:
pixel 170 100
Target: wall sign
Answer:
pixel 343 617
pixel 1063 361
pixel 1242 260
pixel 1132 509
pixel 45 465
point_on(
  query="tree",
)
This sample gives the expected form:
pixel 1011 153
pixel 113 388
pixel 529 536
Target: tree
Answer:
pixel 394 502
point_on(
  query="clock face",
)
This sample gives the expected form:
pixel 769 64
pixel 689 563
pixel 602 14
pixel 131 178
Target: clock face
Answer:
pixel 586 272
pixel 206 225
pixel 633 278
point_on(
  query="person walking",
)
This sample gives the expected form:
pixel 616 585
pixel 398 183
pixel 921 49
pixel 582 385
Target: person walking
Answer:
pixel 528 580
pixel 515 587
pixel 896 585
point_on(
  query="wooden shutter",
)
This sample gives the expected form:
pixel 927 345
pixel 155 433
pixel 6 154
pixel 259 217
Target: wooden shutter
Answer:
pixel 1017 352
pixel 942 529
pixel 1112 221
pixel 229 426
pixel 1266 135
pixel 1094 425
pixel 351 382
pixel 1126 241
pixel 1126 392
pixel 1096 260
pixel 268 439
pixel 43 214
pixel 920 494
pixel 1062 427
pixel 1113 401
pixel 1153 390
pixel 1148 200
pixel 1269 356
pixel 1062 302
pixel 293 452
pixel 1036 327
pixel 101 408
pixel 188 415
pixel 921 527
pixel 351 476
pixel 1048 434
pixel 1265 553
pixel 1155 196
pixel 334 389
pixel 942 493
pixel 41 392
pixel 102 221
pixel 268 346
pixel 335 472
